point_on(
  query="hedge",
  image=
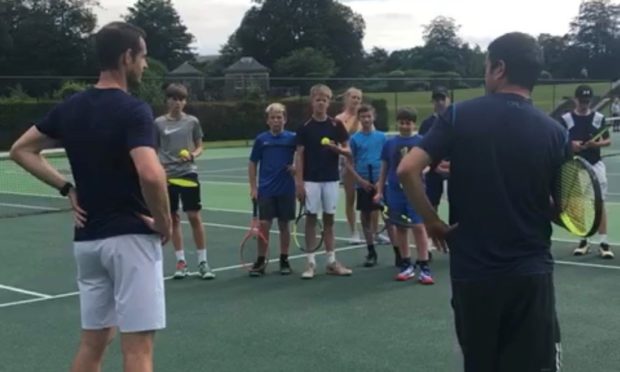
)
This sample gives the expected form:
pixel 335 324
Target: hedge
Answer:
pixel 220 120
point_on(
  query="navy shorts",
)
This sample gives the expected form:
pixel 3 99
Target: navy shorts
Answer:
pixel 281 207
pixel 189 196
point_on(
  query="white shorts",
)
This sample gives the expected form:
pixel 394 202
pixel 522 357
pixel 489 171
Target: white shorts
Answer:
pixel 601 175
pixel 121 283
pixel 322 196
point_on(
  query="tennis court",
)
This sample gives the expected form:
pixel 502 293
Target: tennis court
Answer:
pixel 367 322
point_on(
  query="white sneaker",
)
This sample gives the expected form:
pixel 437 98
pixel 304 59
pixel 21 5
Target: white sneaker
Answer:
pixel 382 239
pixel 355 238
pixel 309 272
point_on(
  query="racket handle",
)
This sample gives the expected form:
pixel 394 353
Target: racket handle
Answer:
pixel 254 208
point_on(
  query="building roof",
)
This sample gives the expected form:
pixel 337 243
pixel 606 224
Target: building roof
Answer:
pixel 246 65
pixel 207 58
pixel 186 69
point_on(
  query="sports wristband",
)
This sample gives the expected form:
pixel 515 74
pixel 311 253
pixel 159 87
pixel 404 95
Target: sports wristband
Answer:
pixel 64 191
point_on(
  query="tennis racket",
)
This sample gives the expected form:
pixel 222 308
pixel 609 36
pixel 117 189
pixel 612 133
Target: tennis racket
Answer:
pixel 600 132
pixel 299 229
pixel 251 238
pixel 577 198
pixel 182 182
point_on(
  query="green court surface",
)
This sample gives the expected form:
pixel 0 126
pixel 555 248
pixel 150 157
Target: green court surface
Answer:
pixel 367 322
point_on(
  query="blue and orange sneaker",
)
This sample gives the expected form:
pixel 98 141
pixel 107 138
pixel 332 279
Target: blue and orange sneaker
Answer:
pixel 425 277
pixel 407 271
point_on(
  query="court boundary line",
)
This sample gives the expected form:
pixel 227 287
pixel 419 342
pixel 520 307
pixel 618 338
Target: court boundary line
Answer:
pixel 25 291
pixel 293 257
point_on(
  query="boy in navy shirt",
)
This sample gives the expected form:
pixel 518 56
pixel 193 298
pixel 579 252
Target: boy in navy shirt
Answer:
pixel 317 176
pixel 273 154
pixel 397 203
pixel 503 154
pixel 366 147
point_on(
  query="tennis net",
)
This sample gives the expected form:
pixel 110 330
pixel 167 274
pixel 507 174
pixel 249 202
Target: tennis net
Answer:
pixel 23 195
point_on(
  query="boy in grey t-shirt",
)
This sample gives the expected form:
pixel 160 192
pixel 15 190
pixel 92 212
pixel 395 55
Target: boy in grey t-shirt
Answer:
pixel 180 142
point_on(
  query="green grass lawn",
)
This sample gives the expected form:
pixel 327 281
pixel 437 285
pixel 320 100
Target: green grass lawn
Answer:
pixel 547 97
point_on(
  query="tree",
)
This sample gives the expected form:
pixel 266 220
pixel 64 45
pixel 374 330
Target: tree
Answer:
pixel 272 28
pixel 306 62
pixel 594 38
pixel 442 49
pixel 167 37
pixel 376 61
pixel 46 37
pixel 555 52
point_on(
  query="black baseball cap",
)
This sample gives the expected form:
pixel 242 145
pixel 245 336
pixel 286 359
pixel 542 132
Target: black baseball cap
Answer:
pixel 584 92
pixel 439 92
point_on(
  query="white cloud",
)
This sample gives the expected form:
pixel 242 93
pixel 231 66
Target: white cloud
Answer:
pixel 390 24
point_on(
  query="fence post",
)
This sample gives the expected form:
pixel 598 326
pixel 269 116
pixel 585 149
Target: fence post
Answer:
pixel 395 108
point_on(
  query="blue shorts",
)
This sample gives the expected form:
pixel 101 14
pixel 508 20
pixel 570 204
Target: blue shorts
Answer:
pixel 398 204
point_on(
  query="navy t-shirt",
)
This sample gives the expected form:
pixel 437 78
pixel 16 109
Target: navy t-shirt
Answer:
pixel 504 153
pixel 321 163
pixel 583 128
pixel 274 154
pixel 98 128
pixel 427 124
pixel 393 152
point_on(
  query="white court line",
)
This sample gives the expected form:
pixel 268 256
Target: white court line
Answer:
pixel 294 257
pixel 26 206
pixel 219 269
pixel 226 170
pixel 23 291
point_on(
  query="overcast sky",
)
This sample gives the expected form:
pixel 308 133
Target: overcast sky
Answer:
pixel 390 24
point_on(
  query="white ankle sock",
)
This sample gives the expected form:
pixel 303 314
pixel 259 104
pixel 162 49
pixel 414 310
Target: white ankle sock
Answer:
pixel 311 259
pixel 180 255
pixel 331 257
pixel 602 238
pixel 202 255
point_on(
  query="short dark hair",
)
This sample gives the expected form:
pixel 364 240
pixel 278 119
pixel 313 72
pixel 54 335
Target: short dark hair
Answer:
pixel 176 90
pixel 407 113
pixel 364 108
pixel 113 40
pixel 522 56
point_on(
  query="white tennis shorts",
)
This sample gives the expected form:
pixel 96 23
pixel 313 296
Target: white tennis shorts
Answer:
pixel 601 175
pixel 121 283
pixel 322 196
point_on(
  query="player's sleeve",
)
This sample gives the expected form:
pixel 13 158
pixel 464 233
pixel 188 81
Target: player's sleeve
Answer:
pixel 257 152
pixel 197 133
pixel 342 135
pixel 50 124
pixel 385 152
pixel 141 130
pixel 438 142
pixel 300 136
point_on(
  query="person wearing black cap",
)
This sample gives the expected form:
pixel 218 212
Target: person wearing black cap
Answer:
pixel 582 124
pixel 434 179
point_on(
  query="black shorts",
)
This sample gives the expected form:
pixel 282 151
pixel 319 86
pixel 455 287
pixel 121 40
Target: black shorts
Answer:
pixel 507 325
pixel 189 196
pixel 281 207
pixel 364 201
pixel 434 188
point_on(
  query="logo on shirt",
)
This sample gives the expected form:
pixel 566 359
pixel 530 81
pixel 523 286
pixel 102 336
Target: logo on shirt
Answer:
pixel 168 131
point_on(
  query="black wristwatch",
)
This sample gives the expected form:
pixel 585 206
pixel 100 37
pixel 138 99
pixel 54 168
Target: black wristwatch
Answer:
pixel 64 191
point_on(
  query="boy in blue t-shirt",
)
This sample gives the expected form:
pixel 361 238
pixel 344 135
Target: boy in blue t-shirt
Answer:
pixel 393 151
pixel 366 146
pixel 274 150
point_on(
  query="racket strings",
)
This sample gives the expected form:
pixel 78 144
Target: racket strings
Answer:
pixel 576 199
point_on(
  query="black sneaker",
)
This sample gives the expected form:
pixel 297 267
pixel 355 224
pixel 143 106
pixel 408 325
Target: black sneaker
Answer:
pixel 285 267
pixel 371 259
pixel 258 269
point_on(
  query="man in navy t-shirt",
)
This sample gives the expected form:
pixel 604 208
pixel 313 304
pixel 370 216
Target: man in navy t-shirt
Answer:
pixel 320 142
pixel 504 153
pixel 439 172
pixel 121 205
pixel 273 152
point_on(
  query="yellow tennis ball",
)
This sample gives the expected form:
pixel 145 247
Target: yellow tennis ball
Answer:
pixel 184 153
pixel 325 141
